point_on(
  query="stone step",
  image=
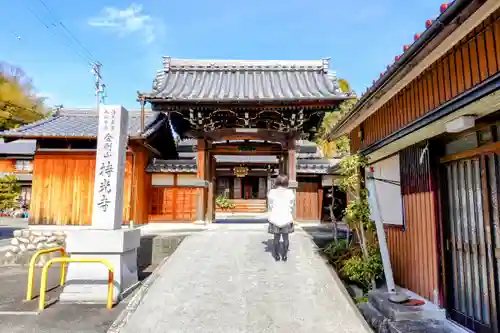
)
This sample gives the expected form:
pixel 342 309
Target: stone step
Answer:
pixel 400 312
pixel 424 326
pixel 374 318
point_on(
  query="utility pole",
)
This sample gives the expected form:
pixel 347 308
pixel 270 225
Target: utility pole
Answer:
pixel 96 71
pixel 103 93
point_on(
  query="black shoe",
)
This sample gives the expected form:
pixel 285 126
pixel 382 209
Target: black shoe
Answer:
pixel 284 257
pixel 276 251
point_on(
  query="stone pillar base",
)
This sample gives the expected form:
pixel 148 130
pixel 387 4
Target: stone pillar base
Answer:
pixel 88 282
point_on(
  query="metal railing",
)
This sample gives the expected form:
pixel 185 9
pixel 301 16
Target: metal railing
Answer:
pixel 31 271
pixel 67 260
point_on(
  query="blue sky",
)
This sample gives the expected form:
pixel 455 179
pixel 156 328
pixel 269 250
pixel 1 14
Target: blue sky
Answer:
pixel 129 38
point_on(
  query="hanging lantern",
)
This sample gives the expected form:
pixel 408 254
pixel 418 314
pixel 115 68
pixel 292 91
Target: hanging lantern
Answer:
pixel 240 171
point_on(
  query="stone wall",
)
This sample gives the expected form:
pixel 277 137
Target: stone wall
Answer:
pixel 26 242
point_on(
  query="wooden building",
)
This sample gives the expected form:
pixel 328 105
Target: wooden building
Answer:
pixel 246 192
pixel 431 123
pixel 16 159
pixel 240 123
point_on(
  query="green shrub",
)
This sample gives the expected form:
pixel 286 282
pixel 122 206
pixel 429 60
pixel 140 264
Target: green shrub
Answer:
pixel 363 271
pixel 223 202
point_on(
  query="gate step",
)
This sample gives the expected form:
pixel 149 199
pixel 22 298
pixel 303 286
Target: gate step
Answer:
pixel 399 312
pixel 427 326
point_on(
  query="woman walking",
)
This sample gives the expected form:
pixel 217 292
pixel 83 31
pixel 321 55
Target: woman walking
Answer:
pixel 281 202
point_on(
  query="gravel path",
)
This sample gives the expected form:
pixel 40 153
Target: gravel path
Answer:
pixel 227 281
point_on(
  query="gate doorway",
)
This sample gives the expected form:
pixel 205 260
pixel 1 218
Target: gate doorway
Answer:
pixel 470 205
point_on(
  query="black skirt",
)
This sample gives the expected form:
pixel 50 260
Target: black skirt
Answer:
pixel 287 229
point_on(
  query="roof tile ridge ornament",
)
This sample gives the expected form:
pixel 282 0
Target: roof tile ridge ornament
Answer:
pixel 159 81
pixel 332 76
pixel 166 63
pixel 326 64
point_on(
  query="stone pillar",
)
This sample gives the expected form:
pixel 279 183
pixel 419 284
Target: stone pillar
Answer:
pixel 87 282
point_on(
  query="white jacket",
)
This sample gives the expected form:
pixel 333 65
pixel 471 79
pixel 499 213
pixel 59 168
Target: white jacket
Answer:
pixel 281 202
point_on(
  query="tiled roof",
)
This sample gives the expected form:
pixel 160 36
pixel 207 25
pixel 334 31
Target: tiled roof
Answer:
pixel 19 147
pixel 245 80
pixel 78 123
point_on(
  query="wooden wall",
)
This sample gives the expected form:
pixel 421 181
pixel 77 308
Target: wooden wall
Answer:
pixel 141 185
pixel 172 204
pixel 7 165
pixel 309 201
pixel 63 185
pixel 413 250
pixel 172 198
pixel 474 59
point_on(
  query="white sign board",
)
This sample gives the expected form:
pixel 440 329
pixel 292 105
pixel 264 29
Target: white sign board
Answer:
pixel 110 167
pixel 388 190
pixel 327 180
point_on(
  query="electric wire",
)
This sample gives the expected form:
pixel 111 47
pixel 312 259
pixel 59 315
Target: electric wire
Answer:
pixel 86 59
pixel 70 34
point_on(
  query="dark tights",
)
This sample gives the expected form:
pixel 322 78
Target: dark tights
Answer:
pixel 286 242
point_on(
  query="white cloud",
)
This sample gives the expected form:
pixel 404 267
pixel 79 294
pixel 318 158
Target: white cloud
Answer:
pixel 128 21
pixel 47 97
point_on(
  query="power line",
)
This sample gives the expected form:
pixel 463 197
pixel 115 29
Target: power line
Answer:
pixel 86 55
pixel 88 60
pixel 59 21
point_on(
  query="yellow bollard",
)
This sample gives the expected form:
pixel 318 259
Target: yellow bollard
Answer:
pixel 31 269
pixel 66 260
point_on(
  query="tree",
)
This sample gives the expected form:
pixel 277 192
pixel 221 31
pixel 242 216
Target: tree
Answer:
pixel 9 192
pixel 331 148
pixel 19 104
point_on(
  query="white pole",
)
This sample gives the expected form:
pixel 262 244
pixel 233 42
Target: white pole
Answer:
pixel 384 251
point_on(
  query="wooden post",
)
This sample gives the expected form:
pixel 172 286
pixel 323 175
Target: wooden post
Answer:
pixel 292 169
pixel 210 216
pixel 292 162
pixel 269 182
pixel 269 185
pixel 202 174
pixel 143 117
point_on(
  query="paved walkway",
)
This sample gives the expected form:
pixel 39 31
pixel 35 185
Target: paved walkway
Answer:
pixel 226 281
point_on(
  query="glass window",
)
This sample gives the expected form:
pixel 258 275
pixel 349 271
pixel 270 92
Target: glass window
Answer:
pixel 462 144
pixel 23 165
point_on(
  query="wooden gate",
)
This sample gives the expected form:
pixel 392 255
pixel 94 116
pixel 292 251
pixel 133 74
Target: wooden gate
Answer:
pixel 173 204
pixel 471 209
pixel 308 201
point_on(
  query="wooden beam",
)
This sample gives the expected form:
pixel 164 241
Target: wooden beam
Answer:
pixel 488 148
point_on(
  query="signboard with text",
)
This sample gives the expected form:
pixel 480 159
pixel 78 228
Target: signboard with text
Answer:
pixel 110 167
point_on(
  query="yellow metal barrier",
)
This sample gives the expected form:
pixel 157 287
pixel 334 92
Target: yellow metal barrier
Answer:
pixel 66 260
pixel 31 271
